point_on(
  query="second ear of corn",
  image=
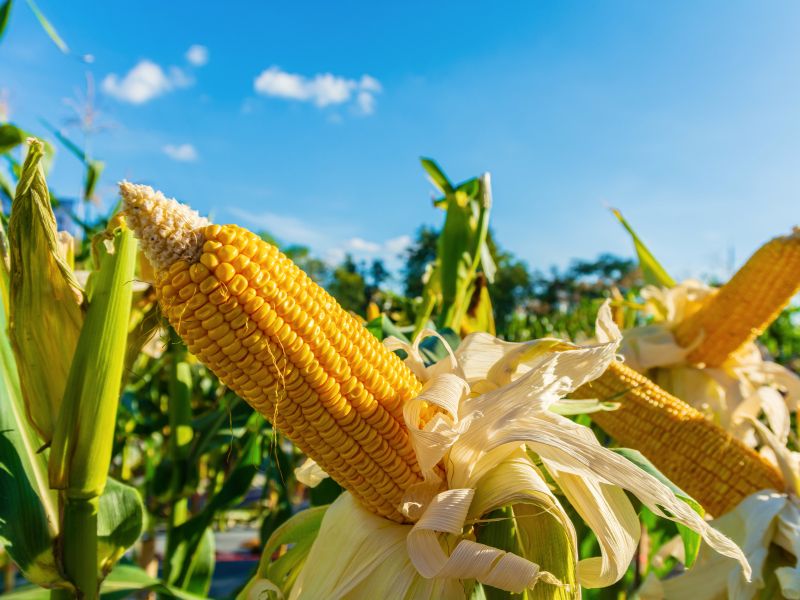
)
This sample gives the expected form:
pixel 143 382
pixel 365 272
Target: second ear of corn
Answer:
pixel 285 345
pixel 744 307
pixel 700 457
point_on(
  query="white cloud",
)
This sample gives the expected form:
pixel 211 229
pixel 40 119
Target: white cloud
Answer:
pixel 366 102
pixel 333 256
pixel 370 84
pixel 390 247
pixel 361 245
pixel 285 228
pixel 398 244
pixel 323 89
pixel 181 152
pixel 292 230
pixel 143 82
pixel 197 55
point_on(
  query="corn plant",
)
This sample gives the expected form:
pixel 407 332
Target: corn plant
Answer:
pixel 60 397
pixel 454 285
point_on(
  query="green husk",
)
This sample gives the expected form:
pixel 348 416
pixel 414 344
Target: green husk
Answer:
pixel 44 297
pixel 84 435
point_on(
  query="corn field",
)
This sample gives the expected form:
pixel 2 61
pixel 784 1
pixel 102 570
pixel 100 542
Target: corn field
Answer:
pixel 190 409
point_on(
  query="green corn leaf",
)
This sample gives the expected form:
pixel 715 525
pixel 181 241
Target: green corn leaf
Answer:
pixel 28 510
pixel 93 170
pixel 438 178
pixel 123 582
pixel 11 136
pixel 119 522
pixel 186 539
pixel 198 567
pixel 299 533
pixel 76 150
pixel 653 272
pixel 5 11
pixel 382 327
pixel 45 316
pixel 522 529
pixel 6 189
pixel 48 27
pixel 84 434
pixel 432 349
pixel 691 539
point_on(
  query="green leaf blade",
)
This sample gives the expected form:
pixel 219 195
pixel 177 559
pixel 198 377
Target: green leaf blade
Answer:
pixel 652 271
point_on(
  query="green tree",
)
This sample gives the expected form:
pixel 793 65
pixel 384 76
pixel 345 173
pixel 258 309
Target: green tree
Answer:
pixel 417 257
pixel 348 286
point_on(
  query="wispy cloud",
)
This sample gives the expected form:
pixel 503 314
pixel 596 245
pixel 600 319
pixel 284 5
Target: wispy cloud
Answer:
pixel 145 81
pixel 197 55
pixel 398 244
pixel 323 89
pixel 292 230
pixel 181 152
pixel 287 229
pixel 362 245
pixel 390 247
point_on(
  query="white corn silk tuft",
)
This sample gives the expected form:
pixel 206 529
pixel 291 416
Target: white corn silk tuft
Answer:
pixel 168 230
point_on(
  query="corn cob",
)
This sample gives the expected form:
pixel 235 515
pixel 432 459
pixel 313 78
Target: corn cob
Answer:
pixel 700 457
pixel 284 345
pixel 741 309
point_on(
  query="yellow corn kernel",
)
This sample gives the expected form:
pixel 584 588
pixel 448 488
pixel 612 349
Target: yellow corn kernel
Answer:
pixel 698 456
pixel 745 306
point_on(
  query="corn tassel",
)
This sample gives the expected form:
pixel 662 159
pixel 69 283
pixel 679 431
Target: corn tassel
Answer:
pixel 744 307
pixel 284 345
pixel 697 455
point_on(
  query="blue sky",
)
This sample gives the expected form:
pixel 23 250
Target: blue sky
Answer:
pixel 308 118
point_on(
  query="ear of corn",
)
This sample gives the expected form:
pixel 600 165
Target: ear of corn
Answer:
pixel 45 315
pixel 746 305
pixel 285 346
pixel 700 457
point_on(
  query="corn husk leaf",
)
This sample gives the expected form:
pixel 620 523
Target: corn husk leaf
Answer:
pixel 358 555
pixel 28 509
pixel 84 435
pixel 45 317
